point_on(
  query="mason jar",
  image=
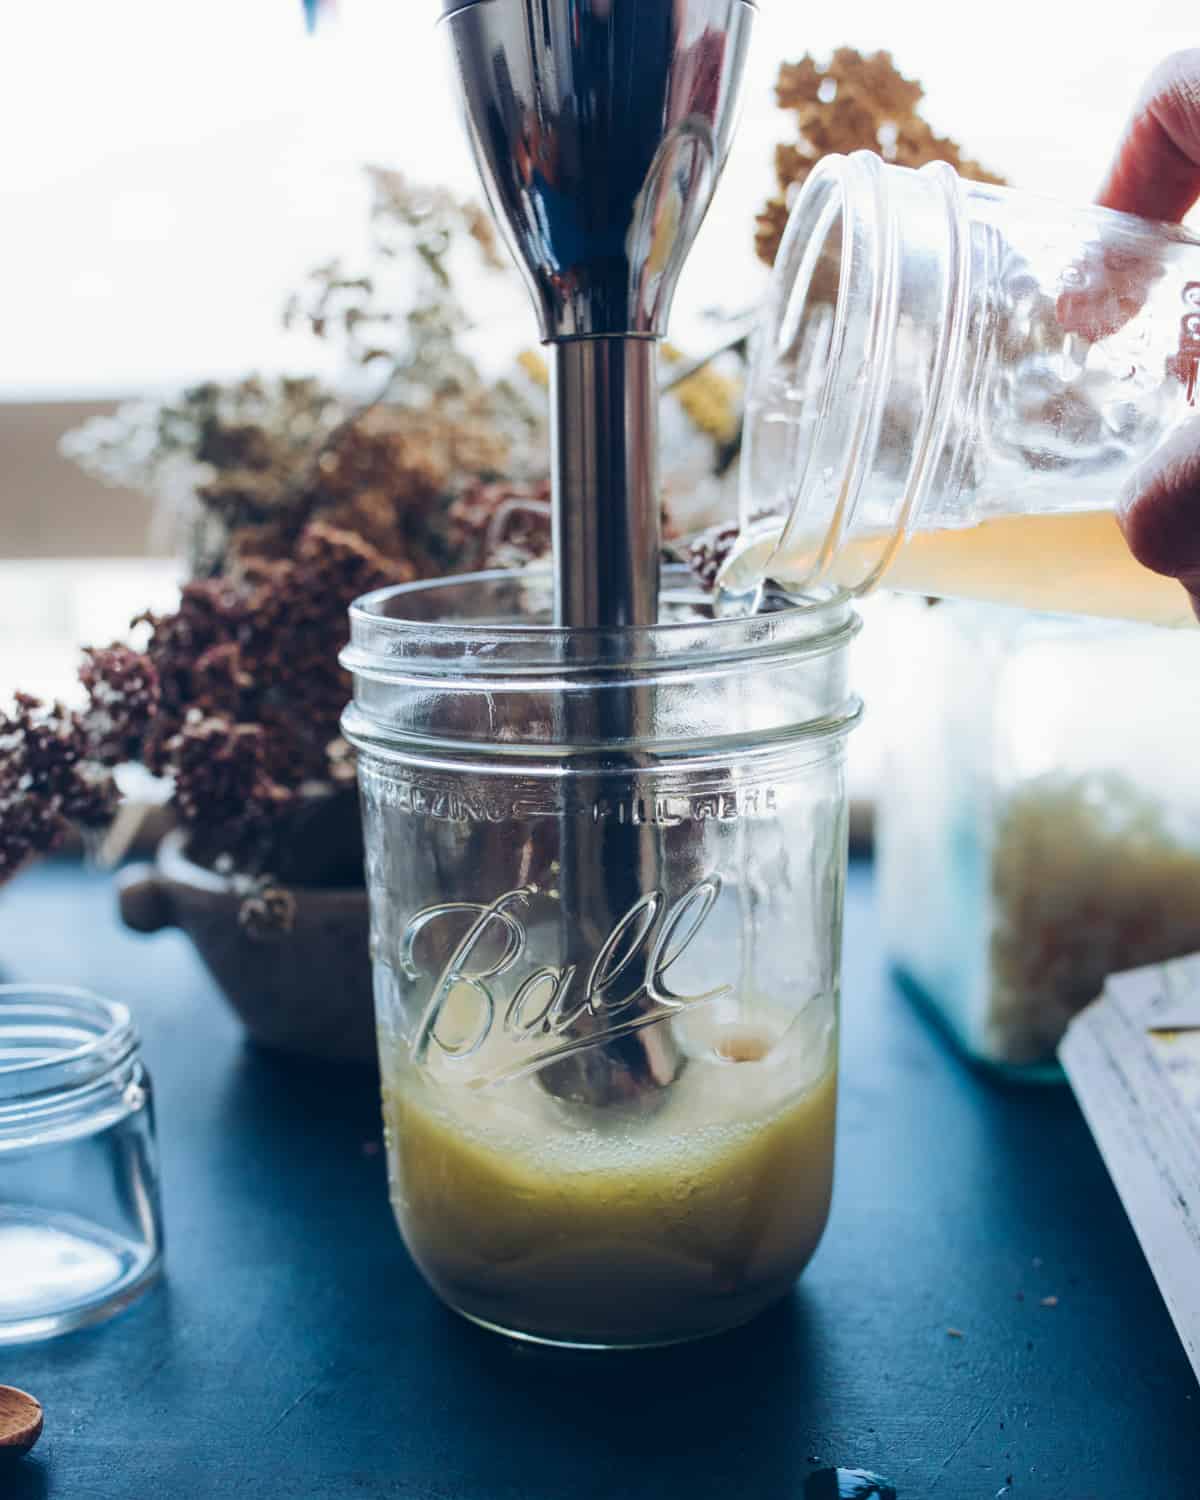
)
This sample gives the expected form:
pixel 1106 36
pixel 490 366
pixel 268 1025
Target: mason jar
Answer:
pixel 606 872
pixel 80 1222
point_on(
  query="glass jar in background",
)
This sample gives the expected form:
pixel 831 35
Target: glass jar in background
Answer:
pixel 80 1223
pixel 606 873
pixel 954 382
pixel 1039 816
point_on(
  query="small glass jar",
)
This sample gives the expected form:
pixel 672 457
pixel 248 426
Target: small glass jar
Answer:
pixel 1038 824
pixel 80 1223
pixel 606 873
pixel 953 384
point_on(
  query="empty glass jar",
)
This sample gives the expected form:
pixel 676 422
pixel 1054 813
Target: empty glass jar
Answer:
pixel 80 1224
pixel 606 872
pixel 954 383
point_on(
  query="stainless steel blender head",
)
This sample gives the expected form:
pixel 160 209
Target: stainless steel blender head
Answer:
pixel 599 128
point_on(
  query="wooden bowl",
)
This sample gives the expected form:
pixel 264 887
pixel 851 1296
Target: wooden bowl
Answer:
pixel 292 961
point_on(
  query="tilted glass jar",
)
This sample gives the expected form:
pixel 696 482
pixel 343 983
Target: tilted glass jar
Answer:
pixel 606 874
pixel 953 384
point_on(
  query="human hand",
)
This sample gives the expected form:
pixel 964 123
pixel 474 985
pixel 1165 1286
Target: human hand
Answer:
pixel 1156 173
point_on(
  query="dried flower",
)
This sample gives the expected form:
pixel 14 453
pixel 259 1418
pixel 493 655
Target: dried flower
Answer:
pixel 123 697
pixel 49 780
pixel 243 468
pixel 220 779
pixel 236 698
pixel 294 496
pixel 251 690
pixel 502 524
pixel 269 912
pixel 852 103
pixel 706 553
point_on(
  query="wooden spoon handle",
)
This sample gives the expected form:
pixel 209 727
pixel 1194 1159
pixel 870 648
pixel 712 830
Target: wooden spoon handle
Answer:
pixel 20 1420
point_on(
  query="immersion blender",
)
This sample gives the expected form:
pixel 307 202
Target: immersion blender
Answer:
pixel 599 128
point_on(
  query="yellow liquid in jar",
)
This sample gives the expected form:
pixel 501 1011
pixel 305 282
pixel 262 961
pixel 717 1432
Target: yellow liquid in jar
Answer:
pixel 1069 562
pixel 680 1225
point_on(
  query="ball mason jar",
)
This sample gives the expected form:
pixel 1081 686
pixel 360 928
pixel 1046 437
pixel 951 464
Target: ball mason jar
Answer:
pixel 606 873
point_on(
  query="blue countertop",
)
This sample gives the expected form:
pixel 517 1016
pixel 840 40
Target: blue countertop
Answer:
pixel 292 1350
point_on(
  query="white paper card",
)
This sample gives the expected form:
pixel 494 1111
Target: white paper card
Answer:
pixel 1133 1059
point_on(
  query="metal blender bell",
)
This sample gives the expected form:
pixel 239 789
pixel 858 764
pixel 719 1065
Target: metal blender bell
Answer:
pixel 599 128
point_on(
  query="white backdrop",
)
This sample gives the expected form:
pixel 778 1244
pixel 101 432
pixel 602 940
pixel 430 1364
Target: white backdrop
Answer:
pixel 171 167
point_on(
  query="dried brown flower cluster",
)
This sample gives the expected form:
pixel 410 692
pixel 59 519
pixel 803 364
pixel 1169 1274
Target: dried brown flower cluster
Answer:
pixel 706 553
pixel 51 777
pixel 501 524
pixel 852 103
pixel 236 698
pixel 250 692
pixel 395 483
pixel 412 423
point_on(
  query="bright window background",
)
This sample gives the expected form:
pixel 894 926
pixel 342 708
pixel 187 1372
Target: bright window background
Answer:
pixel 174 168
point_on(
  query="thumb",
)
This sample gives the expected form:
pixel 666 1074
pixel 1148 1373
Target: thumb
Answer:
pixel 1159 511
pixel 1156 171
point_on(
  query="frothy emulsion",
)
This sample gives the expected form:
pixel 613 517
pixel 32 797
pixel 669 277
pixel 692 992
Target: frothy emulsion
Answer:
pixel 665 1225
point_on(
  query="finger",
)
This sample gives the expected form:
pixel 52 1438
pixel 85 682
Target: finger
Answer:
pixel 1160 509
pixel 1156 171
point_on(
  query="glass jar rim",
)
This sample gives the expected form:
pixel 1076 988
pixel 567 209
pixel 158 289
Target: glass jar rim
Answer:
pixel 471 658
pixel 384 642
pixel 57 1039
pixel 847 211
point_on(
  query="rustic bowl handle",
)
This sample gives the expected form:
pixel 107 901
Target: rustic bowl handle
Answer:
pixel 144 902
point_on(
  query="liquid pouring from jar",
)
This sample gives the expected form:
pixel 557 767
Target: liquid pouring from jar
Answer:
pixel 599 128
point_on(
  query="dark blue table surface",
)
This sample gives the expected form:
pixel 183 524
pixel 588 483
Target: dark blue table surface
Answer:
pixel 293 1351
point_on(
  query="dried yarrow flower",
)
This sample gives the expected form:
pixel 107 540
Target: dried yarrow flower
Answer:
pixel 706 553
pixel 501 524
pixel 219 777
pixel 852 103
pixel 48 753
pixel 48 781
pixel 27 828
pixel 236 698
pixel 250 674
pixel 245 467
pixel 211 612
pixel 123 696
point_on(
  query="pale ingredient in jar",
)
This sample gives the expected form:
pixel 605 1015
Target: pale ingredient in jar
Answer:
pixel 1088 879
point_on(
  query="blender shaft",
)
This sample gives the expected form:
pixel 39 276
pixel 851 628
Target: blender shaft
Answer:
pixel 604 465
pixel 599 128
